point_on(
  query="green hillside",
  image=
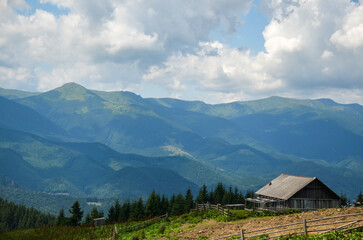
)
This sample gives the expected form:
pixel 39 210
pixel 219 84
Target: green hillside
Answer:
pixel 90 169
pixel 240 143
pixel 15 94
pixel 20 117
pixel 141 181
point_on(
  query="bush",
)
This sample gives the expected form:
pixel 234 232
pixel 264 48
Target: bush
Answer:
pixel 135 237
pixel 162 229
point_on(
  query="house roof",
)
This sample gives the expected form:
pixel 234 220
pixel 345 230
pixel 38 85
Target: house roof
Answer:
pixel 285 186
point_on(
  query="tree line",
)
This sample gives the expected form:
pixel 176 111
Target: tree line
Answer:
pixel 157 205
pixel 17 216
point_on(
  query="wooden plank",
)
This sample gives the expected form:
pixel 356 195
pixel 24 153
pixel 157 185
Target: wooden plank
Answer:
pixel 317 225
pixel 329 230
pixel 233 205
pixel 347 215
pixel 350 222
pixel 284 230
pixel 263 229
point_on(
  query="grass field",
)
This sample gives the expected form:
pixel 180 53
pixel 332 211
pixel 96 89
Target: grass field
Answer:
pixel 195 225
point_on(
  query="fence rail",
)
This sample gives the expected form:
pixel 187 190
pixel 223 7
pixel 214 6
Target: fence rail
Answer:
pixel 222 209
pixel 137 226
pixel 304 226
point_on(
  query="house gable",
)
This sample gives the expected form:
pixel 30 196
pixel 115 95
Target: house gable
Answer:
pixel 316 190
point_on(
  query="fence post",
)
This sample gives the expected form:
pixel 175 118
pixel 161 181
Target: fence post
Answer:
pixel 218 207
pixel 305 228
pixel 242 234
pixel 114 231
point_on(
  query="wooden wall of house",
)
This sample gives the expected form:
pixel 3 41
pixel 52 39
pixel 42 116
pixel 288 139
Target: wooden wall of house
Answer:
pixel 311 204
pixel 315 190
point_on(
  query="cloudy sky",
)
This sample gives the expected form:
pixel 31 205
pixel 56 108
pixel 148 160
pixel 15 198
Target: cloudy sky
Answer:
pixel 210 50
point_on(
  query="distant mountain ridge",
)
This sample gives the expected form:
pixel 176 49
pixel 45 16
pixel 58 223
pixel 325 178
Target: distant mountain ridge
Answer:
pixel 92 134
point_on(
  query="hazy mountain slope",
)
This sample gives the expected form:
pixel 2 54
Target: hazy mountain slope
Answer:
pixel 304 136
pixel 348 115
pixel 6 182
pixel 125 121
pixel 123 126
pixel 41 165
pixel 14 167
pixel 20 117
pixel 88 169
pixel 188 168
pixel 15 94
pixel 335 177
pixel 224 136
pixel 315 129
pixel 53 203
pixel 141 181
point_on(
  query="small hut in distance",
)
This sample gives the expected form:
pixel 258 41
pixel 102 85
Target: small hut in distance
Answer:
pixel 289 191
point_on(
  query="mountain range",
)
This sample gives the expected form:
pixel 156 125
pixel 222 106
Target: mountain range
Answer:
pixel 81 142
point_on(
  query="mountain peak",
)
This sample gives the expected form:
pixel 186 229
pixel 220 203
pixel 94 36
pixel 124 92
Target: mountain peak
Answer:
pixel 71 85
pixel 74 91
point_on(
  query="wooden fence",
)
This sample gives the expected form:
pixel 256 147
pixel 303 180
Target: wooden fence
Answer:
pixel 135 227
pixel 222 209
pixel 349 221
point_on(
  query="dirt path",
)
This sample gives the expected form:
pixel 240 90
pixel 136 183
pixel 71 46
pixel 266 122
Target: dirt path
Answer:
pixel 213 229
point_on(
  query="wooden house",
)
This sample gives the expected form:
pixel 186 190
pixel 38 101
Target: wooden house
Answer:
pixel 289 191
pixel 99 221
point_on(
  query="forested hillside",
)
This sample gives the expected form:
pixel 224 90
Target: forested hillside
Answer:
pixel 80 142
pixel 15 216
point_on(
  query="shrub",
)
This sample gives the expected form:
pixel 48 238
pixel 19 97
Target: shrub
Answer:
pixel 162 229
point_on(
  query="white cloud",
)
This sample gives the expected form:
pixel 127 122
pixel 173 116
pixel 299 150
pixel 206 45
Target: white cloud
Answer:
pixel 350 36
pixel 311 47
pixel 308 50
pixel 100 33
pixel 19 4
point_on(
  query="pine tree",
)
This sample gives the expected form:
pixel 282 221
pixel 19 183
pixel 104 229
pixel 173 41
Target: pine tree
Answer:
pixel 61 219
pixel 77 214
pixel 152 205
pixel 228 196
pixel 203 195
pixel 88 219
pixel 211 197
pixel 189 202
pixel 236 196
pixel 125 211
pixel 171 204
pixel 117 211
pixel 164 204
pixel 111 215
pixel 178 205
pixel 137 209
pixel 219 192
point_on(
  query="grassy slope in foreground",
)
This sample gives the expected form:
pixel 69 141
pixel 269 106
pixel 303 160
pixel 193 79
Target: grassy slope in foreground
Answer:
pixel 208 225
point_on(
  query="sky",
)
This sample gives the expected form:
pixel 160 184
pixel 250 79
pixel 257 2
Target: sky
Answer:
pixel 216 51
